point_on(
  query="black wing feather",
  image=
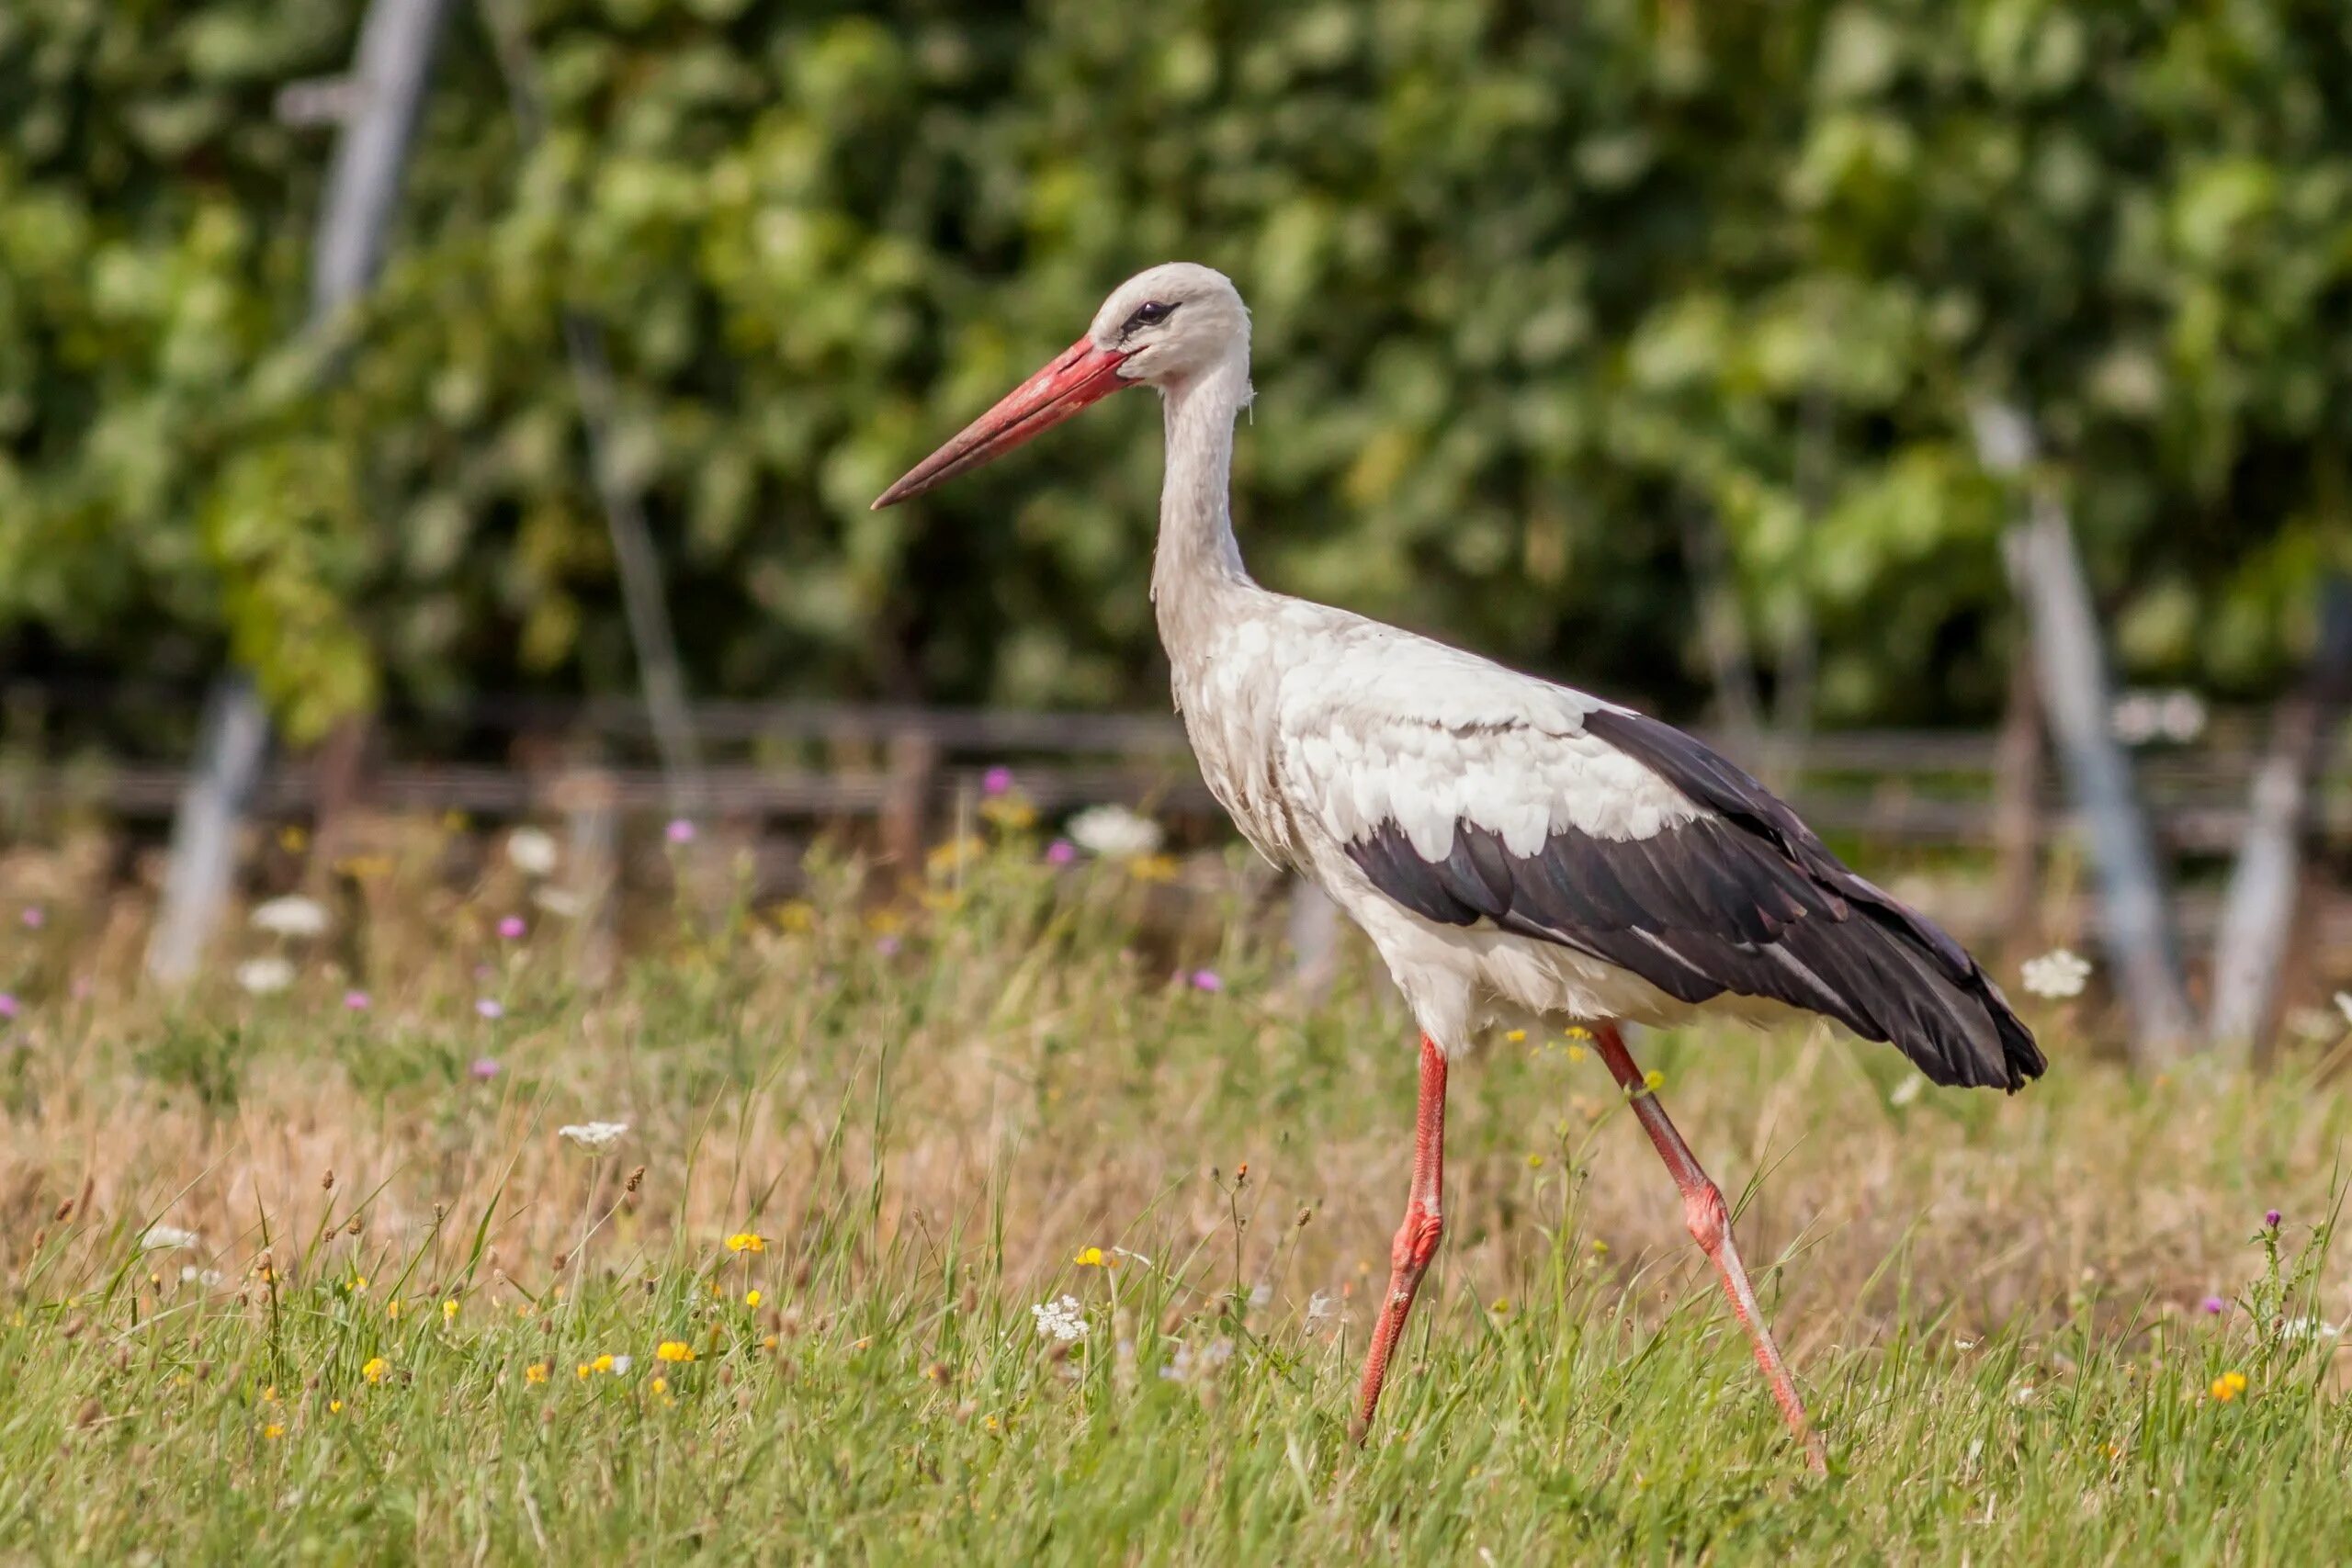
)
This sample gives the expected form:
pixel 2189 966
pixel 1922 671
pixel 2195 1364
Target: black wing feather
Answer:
pixel 1748 901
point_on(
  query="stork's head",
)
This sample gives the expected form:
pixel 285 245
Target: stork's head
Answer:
pixel 1160 328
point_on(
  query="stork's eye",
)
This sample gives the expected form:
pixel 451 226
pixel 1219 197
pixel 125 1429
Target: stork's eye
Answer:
pixel 1150 313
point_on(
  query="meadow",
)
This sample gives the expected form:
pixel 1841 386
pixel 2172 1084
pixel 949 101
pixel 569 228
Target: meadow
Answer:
pixel 1030 1213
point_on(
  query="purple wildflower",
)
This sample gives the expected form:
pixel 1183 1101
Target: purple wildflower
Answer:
pixel 888 947
pixel 484 1068
pixel 1061 852
pixel 8 1005
pixel 679 831
pixel 2270 1220
pixel 35 917
pixel 357 1001
pixel 2214 1306
pixel 996 781
pixel 1207 980
pixel 512 928
pixel 491 1007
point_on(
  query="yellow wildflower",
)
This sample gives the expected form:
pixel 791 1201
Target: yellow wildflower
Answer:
pixel 747 1241
pixel 1502 1306
pixel 953 854
pixel 1598 1245
pixel 273 1430
pixel 1575 1053
pixel 269 1394
pixel 375 1370
pixel 581 1372
pixel 674 1350
pixel 1152 868
pixel 2228 1386
pixel 1578 1032
pixel 1654 1078
pixel 292 839
pixel 661 1385
pixel 798 916
pixel 1534 1162
pixel 392 1307
pixel 1088 1258
pixel 449 1311
pixel 334 1406
pixel 358 1283
pixel 1517 1036
pixel 751 1298
pixel 536 1373
pixel 768 1343
pixel 603 1363
pixel 1008 812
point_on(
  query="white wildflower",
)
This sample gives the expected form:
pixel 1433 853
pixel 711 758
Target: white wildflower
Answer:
pixel 1260 1294
pixel 2140 717
pixel 291 915
pixel 531 850
pixel 2313 1023
pixel 1062 1318
pixel 1319 1309
pixel 265 976
pixel 2021 1394
pixel 163 1238
pixel 1115 832
pixel 209 1277
pixel 1907 1090
pixel 2183 719
pixel 621 1364
pixel 2136 718
pixel 2057 974
pixel 594 1137
pixel 2307 1328
pixel 2344 1005
pixel 561 902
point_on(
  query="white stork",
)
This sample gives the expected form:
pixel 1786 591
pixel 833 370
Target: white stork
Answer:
pixel 1510 846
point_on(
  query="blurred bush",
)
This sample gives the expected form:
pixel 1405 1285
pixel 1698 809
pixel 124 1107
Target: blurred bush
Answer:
pixel 1541 289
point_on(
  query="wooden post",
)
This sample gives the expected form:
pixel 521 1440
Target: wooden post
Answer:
pixel 389 68
pixel 914 762
pixel 228 753
pixel 2257 918
pixel 2136 919
pixel 2017 809
pixel 591 808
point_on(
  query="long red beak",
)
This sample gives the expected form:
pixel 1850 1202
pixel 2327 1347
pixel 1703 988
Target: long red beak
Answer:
pixel 1080 375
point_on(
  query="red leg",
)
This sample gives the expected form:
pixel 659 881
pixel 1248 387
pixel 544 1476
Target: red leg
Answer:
pixel 1417 1238
pixel 1710 1222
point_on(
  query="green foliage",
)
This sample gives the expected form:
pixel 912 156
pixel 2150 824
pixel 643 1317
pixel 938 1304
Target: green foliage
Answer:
pixel 1534 287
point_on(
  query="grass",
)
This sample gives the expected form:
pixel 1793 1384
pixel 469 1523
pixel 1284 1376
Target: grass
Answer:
pixel 930 1114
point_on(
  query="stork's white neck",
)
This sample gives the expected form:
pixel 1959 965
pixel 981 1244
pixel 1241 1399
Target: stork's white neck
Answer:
pixel 1197 562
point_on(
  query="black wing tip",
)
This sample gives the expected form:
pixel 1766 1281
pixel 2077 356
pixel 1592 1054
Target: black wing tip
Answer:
pixel 1954 1052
